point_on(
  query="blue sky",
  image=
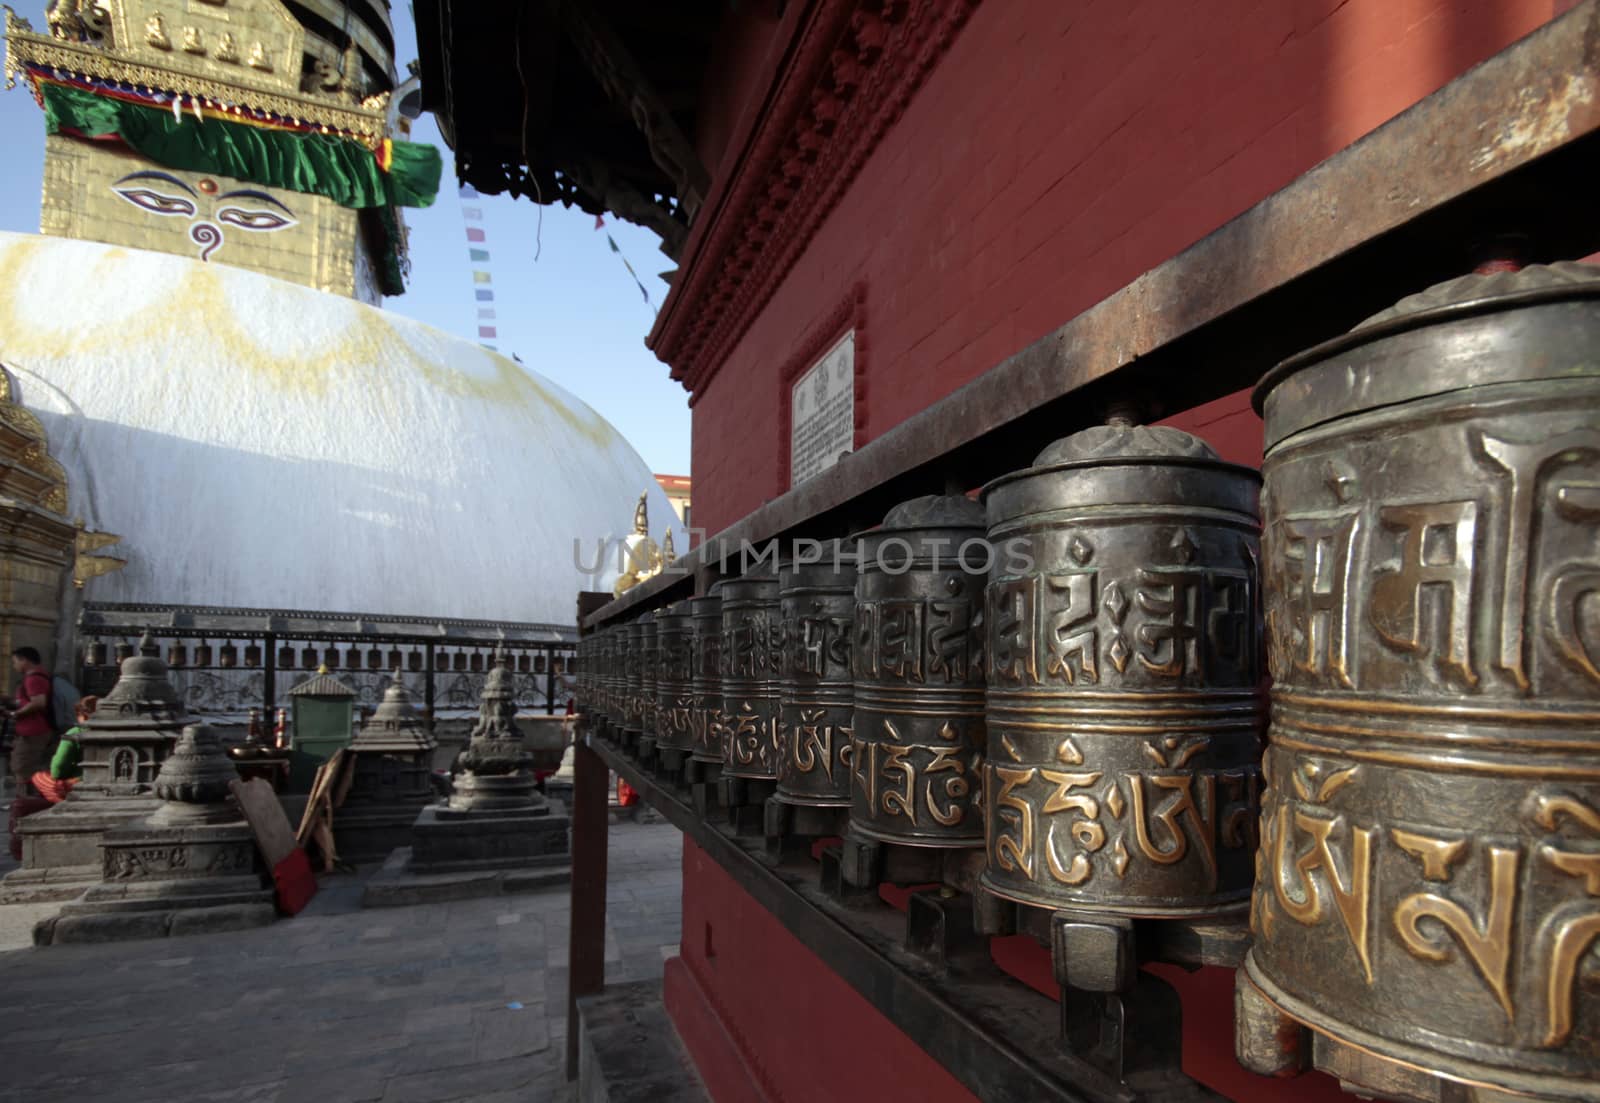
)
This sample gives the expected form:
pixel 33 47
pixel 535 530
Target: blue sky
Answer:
pixel 574 314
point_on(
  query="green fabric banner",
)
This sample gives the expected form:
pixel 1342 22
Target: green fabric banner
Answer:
pixel 342 169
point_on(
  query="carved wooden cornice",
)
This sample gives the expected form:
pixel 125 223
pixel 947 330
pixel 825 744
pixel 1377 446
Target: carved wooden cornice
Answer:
pixel 856 64
pixel 366 122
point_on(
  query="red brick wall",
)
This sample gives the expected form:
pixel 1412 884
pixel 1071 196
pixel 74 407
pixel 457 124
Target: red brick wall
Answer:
pixel 1055 153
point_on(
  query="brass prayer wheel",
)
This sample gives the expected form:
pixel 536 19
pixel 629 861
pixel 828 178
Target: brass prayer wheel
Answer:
pixel 606 682
pixel 816 601
pixel 1427 899
pixel 674 647
pixel 1124 700
pixel 648 659
pixel 631 680
pixel 705 677
pixel 916 752
pixel 751 655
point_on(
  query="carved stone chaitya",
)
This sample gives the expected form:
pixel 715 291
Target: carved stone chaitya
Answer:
pixel 392 781
pixel 1427 899
pixel 188 868
pixel 916 750
pixel 126 740
pixel 495 820
pixel 497 767
pixel 1124 702
pixel 124 745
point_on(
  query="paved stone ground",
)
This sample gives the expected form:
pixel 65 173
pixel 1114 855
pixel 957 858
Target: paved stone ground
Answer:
pixel 459 1001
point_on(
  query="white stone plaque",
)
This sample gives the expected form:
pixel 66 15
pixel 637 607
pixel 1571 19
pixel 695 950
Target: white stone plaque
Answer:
pixel 822 412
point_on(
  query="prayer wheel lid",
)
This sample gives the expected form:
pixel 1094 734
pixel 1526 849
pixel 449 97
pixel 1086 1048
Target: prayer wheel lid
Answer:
pixel 1461 297
pixel 1111 443
pixel 935 511
pixel 1120 443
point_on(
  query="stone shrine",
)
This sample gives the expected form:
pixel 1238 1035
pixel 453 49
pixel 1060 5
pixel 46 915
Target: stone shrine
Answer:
pixel 496 833
pixel 394 755
pixel 124 745
pixel 188 868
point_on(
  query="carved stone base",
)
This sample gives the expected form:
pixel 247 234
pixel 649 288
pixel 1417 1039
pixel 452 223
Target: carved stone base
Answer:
pixel 446 840
pixel 370 832
pixel 61 846
pixel 168 876
pixel 398 884
pixel 495 792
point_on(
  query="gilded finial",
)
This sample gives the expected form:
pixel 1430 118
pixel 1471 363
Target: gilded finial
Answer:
pixel 668 552
pixel 322 668
pixel 641 515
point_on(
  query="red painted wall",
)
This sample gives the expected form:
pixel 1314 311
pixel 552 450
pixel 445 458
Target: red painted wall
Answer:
pixel 1054 154
pixel 820 1040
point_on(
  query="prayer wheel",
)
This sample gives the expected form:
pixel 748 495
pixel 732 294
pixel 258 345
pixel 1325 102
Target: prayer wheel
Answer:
pixel 705 678
pixel 631 682
pixel 648 660
pixel 1427 899
pixel 1124 700
pixel 674 647
pixel 816 602
pixel 751 655
pixel 916 749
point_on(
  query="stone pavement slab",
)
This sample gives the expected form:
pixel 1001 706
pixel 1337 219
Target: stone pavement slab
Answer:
pixel 456 1001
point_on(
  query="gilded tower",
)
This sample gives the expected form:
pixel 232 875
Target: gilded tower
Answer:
pixel 254 133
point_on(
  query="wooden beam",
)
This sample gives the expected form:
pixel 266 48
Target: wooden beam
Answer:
pixel 625 83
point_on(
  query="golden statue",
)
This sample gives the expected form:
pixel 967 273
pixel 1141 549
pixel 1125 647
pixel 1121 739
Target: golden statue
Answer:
pixel 155 32
pixel 641 557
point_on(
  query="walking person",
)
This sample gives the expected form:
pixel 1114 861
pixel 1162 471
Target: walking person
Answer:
pixel 31 730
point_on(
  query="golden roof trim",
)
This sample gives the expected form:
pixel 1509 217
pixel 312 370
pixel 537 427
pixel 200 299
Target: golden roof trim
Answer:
pixel 24 46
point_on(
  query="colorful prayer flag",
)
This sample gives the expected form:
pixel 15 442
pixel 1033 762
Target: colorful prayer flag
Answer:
pixel 483 296
pixel 479 255
pixel 474 234
pixel 468 191
pixel 480 277
pixel 486 331
pixel 486 312
pixel 472 214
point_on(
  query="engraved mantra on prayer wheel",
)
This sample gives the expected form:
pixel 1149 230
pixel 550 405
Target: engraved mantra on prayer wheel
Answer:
pixel 817 602
pixel 751 654
pixel 607 681
pixel 630 680
pixel 648 659
pixel 705 678
pixel 1124 701
pixel 916 754
pixel 1427 895
pixel 674 635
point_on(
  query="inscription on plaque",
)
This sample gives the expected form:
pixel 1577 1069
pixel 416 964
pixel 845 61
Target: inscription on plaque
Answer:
pixel 822 412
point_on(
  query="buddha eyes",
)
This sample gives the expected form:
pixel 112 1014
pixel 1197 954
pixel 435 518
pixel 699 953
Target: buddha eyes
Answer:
pixel 253 220
pixel 157 203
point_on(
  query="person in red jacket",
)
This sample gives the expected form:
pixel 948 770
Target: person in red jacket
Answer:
pixel 30 747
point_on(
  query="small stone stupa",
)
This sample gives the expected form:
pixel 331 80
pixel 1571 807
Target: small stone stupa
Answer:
pixel 124 745
pixel 496 834
pixel 392 783
pixel 189 868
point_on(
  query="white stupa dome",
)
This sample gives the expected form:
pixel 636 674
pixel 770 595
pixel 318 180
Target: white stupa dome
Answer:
pixel 258 444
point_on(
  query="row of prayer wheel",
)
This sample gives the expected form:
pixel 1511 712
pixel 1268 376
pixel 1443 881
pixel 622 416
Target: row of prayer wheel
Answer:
pixel 352 657
pixel 1075 671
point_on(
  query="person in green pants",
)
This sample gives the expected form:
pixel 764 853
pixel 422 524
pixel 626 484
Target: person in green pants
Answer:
pixel 66 764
